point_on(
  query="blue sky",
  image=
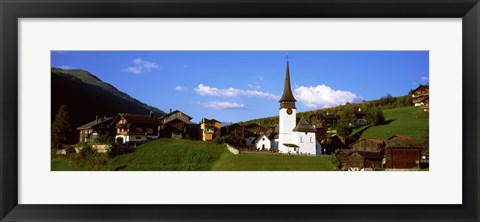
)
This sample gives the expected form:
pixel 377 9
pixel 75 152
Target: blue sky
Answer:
pixel 236 86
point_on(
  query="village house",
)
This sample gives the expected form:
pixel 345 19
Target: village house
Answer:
pixel 135 128
pixel 98 127
pixel 175 125
pixel 327 121
pixel 369 144
pixel 360 117
pixel 235 129
pixel 261 142
pixel 210 129
pixel 273 137
pixel 330 145
pixel 420 97
pixel 359 160
pixel 402 152
pixel 254 130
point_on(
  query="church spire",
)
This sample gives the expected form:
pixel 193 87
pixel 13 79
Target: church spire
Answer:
pixel 287 100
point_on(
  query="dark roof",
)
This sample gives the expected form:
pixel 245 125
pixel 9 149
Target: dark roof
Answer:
pixel 403 143
pixel 176 111
pixel 287 100
pixel 95 122
pixel 325 116
pixel 377 141
pixel 368 155
pixel 205 120
pixel 419 87
pixel 400 137
pixel 136 118
pixel 304 126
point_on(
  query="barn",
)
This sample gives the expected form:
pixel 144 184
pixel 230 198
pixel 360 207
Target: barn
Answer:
pixel 371 145
pixel 402 153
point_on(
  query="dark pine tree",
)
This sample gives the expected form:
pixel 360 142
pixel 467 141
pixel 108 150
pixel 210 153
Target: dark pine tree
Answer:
pixel 61 129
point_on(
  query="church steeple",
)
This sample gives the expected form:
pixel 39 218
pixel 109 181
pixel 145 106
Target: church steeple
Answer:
pixel 287 100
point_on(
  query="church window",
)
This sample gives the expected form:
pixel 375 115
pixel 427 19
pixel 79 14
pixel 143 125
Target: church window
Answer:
pixel 311 139
pixel 301 139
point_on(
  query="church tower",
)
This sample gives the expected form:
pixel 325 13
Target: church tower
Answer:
pixel 287 116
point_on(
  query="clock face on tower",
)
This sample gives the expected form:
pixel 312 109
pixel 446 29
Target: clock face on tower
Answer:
pixel 289 111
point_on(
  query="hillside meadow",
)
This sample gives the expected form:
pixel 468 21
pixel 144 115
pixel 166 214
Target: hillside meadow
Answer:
pixel 409 121
pixel 186 155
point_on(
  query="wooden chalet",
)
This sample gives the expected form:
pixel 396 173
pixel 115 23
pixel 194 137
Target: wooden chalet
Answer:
pixel 327 121
pixel 235 129
pixel 98 127
pixel 358 160
pixel 360 117
pixel 210 129
pixel 135 128
pixel 176 125
pixel 402 152
pixel 420 97
pixel 336 142
pixel 254 130
pixel 371 145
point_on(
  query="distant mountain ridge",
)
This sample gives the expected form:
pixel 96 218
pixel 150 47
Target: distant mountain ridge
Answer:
pixel 87 96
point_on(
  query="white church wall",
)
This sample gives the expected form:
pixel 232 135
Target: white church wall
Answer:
pixel 306 143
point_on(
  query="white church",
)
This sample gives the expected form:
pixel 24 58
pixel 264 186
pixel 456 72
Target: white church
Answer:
pixel 293 137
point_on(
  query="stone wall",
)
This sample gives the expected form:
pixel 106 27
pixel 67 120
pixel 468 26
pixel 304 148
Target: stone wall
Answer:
pixel 233 150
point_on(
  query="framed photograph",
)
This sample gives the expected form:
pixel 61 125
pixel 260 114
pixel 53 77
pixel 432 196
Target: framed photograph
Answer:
pixel 228 110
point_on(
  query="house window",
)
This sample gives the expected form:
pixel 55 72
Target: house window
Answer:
pixel 138 138
pixel 138 129
pixel 149 130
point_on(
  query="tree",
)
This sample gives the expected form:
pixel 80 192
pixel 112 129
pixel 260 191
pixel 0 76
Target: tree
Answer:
pixel 347 121
pixel 375 116
pixel 61 129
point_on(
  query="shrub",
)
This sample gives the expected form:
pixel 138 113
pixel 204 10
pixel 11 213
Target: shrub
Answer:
pixel 89 159
pixel 104 139
pixel 230 139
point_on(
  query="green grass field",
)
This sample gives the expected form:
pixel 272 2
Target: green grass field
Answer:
pixel 274 162
pixel 169 154
pixel 186 155
pixel 409 121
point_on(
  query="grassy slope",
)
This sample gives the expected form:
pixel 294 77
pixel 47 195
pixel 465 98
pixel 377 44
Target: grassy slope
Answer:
pixel 273 162
pixel 182 155
pixel 63 165
pixel 169 154
pixel 410 121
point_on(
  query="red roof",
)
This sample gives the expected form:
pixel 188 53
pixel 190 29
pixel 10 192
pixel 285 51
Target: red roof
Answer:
pixel 377 141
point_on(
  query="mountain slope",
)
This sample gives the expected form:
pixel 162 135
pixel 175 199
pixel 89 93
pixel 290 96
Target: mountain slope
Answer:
pixel 408 121
pixel 87 96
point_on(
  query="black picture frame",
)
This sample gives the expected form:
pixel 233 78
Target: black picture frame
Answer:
pixel 11 11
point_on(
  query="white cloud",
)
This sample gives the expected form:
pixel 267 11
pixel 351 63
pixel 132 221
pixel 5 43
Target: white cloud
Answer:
pixel 135 70
pixel 145 64
pixel 254 85
pixel 140 65
pixel 181 88
pixel 322 96
pixel 66 67
pixel 223 105
pixel 232 92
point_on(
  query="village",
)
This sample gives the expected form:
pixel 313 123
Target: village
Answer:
pixel 311 135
